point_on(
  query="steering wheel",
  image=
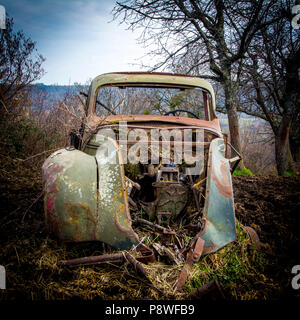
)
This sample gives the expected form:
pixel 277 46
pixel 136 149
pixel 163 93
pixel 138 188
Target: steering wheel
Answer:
pixel 177 111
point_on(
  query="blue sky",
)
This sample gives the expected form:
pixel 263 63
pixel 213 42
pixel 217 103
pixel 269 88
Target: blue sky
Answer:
pixel 76 37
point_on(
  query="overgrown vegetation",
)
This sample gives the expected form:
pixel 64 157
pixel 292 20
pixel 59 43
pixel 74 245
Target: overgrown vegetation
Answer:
pixel 239 267
pixel 30 255
pixel 245 171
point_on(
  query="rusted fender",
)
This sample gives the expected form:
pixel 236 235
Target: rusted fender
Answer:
pixel 86 200
pixel 219 206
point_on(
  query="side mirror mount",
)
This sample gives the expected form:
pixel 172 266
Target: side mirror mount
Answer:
pixel 76 139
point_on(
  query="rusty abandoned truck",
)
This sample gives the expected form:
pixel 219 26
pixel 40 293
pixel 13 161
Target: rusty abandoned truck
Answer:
pixel 102 186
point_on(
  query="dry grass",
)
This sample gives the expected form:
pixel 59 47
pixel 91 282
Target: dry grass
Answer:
pixel 32 272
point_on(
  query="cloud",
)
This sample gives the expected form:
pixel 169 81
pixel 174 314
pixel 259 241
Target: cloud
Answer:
pixel 76 37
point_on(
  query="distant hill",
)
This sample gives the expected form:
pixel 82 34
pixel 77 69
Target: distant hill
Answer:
pixel 56 91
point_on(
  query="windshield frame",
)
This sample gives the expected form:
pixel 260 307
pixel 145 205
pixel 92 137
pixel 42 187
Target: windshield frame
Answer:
pixel 206 100
pixel 148 80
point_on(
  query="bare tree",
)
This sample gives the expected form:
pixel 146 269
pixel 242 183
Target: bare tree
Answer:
pixel 20 65
pixel 216 33
pixel 270 88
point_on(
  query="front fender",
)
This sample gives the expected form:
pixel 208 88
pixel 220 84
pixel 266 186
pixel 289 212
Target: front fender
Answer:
pixel 219 204
pixel 86 199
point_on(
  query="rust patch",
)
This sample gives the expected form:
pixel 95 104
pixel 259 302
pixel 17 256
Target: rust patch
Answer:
pixel 128 232
pixel 253 237
pixel 123 188
pixel 96 120
pixel 211 248
pixel 223 184
pixel 52 219
pixel 74 215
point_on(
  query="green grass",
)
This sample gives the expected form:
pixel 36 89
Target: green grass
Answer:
pixel 288 173
pixel 245 172
pixel 239 268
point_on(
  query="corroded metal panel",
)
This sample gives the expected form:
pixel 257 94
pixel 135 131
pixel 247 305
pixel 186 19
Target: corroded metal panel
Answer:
pixel 219 208
pixel 85 198
pixel 70 186
pixel 114 217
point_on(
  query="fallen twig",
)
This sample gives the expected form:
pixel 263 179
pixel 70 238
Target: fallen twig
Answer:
pixel 157 226
pixel 35 201
pixel 38 154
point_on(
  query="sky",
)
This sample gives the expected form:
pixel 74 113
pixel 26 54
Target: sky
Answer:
pixel 78 38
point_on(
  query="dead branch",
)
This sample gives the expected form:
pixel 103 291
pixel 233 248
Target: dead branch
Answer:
pixel 38 154
pixel 35 201
pixel 116 257
pixel 123 256
pixel 157 226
